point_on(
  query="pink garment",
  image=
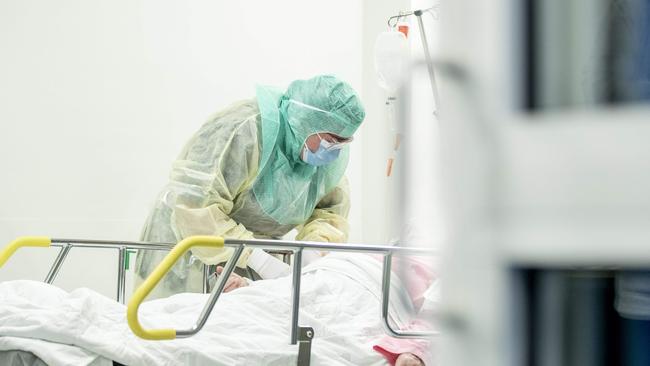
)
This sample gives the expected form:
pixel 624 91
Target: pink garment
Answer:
pixel 417 275
pixel 391 348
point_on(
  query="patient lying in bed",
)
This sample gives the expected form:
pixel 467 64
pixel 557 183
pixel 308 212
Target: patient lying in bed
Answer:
pixel 417 275
pixel 250 326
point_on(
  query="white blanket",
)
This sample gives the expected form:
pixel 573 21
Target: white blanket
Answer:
pixel 249 326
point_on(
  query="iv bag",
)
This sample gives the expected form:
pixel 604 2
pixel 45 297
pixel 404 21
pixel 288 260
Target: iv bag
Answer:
pixel 391 59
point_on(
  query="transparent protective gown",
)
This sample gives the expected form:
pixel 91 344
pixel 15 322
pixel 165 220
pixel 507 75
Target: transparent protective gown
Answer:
pixel 241 176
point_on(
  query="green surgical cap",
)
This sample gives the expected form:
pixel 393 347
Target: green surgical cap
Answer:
pixel 323 103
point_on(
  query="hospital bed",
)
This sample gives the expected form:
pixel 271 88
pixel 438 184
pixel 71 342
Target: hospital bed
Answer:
pixel 301 335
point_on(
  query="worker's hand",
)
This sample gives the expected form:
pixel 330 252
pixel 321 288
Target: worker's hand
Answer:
pixel 408 359
pixel 235 281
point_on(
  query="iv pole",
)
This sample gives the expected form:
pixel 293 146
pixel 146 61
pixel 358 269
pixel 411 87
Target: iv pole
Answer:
pixel 432 78
pixel 425 46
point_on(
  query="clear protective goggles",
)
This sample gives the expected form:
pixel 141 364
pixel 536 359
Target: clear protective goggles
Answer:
pixel 333 142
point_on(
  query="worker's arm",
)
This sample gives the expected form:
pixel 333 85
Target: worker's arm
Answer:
pixel 329 221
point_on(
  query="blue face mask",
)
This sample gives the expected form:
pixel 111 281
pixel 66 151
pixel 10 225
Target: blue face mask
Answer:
pixel 326 153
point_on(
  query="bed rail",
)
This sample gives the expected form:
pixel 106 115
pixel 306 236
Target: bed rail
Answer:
pixel 124 248
pixel 152 280
pixel 26 241
pixel 298 334
pixel 302 335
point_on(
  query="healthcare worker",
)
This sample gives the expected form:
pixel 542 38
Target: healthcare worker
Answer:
pixel 257 169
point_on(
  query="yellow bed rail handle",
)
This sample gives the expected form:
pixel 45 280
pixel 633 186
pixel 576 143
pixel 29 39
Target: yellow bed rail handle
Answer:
pixel 148 285
pixel 23 241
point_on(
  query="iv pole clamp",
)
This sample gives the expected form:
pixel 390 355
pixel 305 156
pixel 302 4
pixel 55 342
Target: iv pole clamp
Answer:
pixel 425 46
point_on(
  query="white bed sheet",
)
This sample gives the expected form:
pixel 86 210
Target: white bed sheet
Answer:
pixel 249 326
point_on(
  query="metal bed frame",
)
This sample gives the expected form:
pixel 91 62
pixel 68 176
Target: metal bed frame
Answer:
pixel 301 335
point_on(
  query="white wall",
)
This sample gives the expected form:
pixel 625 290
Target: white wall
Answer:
pixel 97 98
